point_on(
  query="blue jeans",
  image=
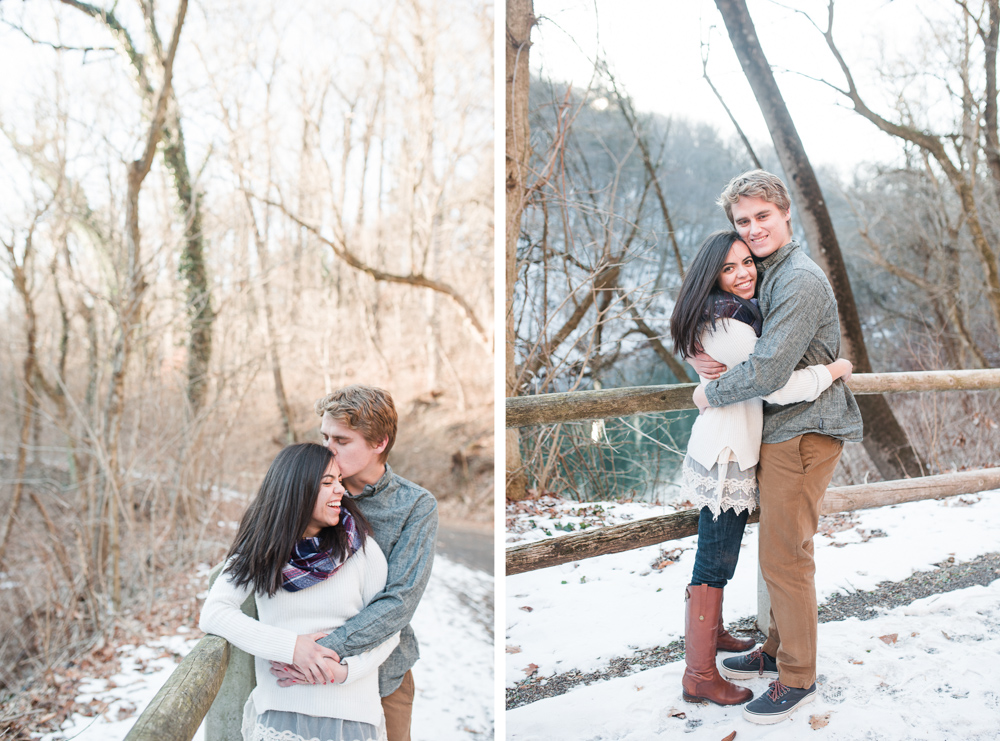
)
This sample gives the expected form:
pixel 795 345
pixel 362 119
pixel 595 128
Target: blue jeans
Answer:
pixel 718 547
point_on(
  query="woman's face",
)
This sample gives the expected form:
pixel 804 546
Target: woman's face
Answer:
pixel 739 273
pixel 326 512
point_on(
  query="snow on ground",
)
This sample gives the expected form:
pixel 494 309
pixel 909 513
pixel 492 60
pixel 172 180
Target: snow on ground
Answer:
pixel 144 669
pixel 932 683
pixel 454 677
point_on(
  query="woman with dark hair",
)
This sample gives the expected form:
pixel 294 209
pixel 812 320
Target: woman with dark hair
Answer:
pixel 716 312
pixel 302 549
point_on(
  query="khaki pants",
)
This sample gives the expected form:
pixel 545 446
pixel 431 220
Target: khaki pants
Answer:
pixel 398 709
pixel 793 477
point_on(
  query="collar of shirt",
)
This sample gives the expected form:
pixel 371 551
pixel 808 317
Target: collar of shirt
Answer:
pixel 379 486
pixel 778 256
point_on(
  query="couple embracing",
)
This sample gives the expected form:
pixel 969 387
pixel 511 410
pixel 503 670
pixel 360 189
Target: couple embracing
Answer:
pixel 758 320
pixel 337 550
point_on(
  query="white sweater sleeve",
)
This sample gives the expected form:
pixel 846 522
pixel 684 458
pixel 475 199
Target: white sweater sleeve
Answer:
pixel 805 384
pixel 367 662
pixel 222 616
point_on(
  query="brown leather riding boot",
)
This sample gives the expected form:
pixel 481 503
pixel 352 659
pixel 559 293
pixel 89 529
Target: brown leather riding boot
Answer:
pixel 701 627
pixel 728 642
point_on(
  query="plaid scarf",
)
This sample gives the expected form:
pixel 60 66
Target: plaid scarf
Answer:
pixel 309 565
pixel 727 306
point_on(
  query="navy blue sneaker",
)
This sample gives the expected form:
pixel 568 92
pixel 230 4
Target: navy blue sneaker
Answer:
pixel 749 666
pixel 777 703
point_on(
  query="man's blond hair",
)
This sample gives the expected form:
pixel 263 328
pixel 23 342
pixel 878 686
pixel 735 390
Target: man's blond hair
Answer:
pixel 755 184
pixel 367 409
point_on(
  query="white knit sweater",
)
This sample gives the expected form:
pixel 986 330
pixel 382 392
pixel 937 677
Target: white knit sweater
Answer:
pixel 734 431
pixel 287 615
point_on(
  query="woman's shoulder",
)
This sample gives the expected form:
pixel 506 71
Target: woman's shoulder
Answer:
pixel 370 555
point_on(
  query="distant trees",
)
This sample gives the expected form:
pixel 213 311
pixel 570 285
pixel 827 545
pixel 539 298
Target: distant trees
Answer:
pixel 618 200
pixel 199 242
pixel 617 203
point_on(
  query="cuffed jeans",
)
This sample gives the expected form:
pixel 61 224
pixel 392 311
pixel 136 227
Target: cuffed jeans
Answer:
pixel 793 476
pixel 718 547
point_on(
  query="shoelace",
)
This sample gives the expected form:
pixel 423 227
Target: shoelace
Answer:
pixel 757 655
pixel 776 690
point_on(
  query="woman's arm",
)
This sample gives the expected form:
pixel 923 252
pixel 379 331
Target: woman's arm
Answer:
pixel 369 661
pixel 806 384
pixel 222 616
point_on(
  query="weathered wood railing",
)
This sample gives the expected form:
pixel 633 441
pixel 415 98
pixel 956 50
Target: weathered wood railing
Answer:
pixel 211 684
pixel 585 405
pixel 547 409
pixel 184 699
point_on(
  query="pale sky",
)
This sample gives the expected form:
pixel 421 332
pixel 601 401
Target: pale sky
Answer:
pixel 654 49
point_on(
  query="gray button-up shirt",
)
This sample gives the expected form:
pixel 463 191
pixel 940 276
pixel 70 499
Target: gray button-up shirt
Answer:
pixel 801 328
pixel 404 518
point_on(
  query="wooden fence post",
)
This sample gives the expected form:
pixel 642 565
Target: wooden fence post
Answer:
pixel 179 706
pixel 763 604
pixel 225 718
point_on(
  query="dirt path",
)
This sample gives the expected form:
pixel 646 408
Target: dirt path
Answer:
pixel 468 544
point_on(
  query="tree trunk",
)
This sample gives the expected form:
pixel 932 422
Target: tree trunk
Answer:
pixel 192 268
pixel 885 440
pixel 520 19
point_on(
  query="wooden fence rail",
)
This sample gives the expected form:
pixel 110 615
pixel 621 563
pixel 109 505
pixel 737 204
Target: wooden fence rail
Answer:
pixel 653 530
pixel 543 409
pixel 184 699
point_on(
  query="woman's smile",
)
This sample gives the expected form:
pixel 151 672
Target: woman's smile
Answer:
pixel 739 272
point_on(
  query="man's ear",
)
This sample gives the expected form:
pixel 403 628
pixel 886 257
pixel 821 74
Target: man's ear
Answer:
pixel 381 446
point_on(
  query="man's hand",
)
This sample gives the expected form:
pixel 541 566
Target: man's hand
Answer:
pixel 287 674
pixel 706 366
pixel 312 659
pixel 700 400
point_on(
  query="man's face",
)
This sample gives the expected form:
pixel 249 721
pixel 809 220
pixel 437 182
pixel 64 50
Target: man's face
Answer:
pixel 353 453
pixel 762 225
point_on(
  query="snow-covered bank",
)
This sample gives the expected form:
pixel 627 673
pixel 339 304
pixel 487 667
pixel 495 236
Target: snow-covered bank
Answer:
pixel 580 615
pixel 939 680
pixel 454 677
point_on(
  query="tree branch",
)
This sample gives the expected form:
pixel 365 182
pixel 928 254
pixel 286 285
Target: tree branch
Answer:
pixel 339 247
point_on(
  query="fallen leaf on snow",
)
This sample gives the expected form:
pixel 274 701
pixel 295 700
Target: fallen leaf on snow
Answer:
pixel 946 635
pixel 891 638
pixel 730 737
pixel 526 608
pixel 531 669
pixel 856 661
pixel 513 649
pixel 675 713
pixel 818 721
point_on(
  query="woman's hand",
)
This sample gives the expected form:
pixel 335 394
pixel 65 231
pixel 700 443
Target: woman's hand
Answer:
pixel 289 674
pixel 313 660
pixel 700 400
pixel 339 672
pixel 841 368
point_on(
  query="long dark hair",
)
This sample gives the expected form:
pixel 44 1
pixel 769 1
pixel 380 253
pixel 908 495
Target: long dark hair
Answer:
pixel 277 518
pixel 700 291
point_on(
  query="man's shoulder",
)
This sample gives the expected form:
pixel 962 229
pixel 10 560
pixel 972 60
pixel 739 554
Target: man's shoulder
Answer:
pixel 405 491
pixel 799 270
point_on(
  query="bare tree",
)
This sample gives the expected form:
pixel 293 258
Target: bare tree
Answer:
pixel 192 261
pixel 520 19
pixel 885 440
